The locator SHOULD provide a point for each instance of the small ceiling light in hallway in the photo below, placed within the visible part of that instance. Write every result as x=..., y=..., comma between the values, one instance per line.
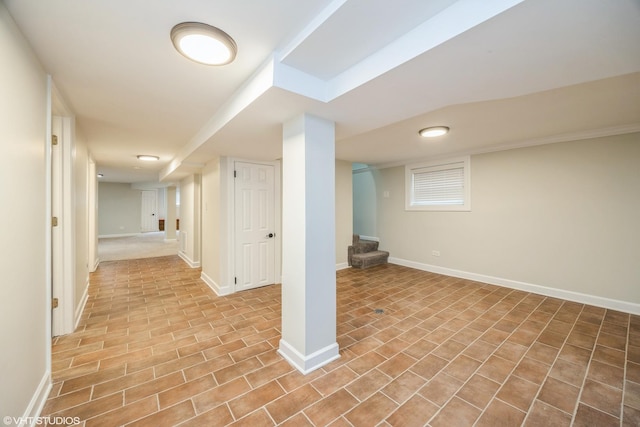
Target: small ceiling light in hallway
x=148, y=158
x=433, y=131
x=203, y=43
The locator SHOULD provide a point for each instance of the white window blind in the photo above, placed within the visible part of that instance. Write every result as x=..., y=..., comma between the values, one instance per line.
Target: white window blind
x=441, y=185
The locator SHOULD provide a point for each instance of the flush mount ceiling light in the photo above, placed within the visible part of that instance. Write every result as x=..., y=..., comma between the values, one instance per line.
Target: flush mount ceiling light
x=148, y=158
x=203, y=43
x=433, y=131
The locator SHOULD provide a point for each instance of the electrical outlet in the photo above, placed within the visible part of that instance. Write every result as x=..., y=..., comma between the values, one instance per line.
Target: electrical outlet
x=435, y=253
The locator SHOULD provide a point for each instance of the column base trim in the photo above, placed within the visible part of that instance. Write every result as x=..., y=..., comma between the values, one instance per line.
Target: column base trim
x=309, y=363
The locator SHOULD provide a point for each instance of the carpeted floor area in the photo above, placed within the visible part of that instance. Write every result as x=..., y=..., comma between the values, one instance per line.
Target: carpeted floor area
x=143, y=245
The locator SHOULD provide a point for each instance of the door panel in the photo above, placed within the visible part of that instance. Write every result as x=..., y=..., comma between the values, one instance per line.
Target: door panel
x=255, y=225
x=148, y=219
x=57, y=246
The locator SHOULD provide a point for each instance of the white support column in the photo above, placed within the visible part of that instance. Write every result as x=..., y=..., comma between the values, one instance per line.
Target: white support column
x=308, y=244
x=170, y=222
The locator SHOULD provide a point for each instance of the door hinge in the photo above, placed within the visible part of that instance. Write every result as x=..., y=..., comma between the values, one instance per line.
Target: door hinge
x=235, y=174
x=54, y=139
x=235, y=280
x=54, y=221
x=54, y=303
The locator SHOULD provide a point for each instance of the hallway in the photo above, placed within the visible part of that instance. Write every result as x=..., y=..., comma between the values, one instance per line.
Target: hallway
x=156, y=347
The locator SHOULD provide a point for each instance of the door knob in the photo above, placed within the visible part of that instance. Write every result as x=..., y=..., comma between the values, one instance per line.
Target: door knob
x=270, y=235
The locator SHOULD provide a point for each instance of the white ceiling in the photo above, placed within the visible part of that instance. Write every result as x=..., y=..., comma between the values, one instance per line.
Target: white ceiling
x=500, y=73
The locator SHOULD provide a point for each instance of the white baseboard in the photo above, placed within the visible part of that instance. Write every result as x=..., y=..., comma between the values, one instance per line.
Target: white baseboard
x=80, y=307
x=370, y=238
x=108, y=236
x=219, y=290
x=189, y=261
x=38, y=400
x=308, y=363
x=341, y=266
x=627, y=307
x=95, y=266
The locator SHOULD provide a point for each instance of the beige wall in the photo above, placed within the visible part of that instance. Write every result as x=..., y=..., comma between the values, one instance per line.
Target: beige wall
x=119, y=208
x=93, y=216
x=211, y=238
x=82, y=212
x=190, y=219
x=344, y=211
x=23, y=263
x=562, y=216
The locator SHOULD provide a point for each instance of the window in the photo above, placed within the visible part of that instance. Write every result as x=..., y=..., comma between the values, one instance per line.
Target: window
x=438, y=186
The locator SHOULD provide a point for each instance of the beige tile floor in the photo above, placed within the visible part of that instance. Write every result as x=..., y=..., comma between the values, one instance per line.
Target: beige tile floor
x=156, y=347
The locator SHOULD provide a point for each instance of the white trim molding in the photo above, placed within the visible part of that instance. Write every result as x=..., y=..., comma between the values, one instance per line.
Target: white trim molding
x=80, y=307
x=189, y=261
x=217, y=289
x=340, y=266
x=108, y=236
x=315, y=360
x=38, y=400
x=96, y=265
x=627, y=307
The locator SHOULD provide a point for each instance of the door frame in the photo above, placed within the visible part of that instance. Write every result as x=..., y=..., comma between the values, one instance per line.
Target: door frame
x=231, y=215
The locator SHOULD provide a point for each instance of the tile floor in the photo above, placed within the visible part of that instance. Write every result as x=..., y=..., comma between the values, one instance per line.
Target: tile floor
x=157, y=348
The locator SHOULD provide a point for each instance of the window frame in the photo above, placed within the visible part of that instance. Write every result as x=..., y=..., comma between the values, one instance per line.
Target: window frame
x=432, y=166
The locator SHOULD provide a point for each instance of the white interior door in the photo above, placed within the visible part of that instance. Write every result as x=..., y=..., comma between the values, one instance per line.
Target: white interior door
x=63, y=256
x=57, y=248
x=148, y=218
x=254, y=194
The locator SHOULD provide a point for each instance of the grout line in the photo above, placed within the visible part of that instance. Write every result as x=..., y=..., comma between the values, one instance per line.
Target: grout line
x=624, y=370
x=586, y=373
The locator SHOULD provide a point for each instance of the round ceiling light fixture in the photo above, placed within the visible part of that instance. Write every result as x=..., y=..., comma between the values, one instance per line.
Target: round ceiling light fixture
x=203, y=43
x=148, y=158
x=433, y=131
